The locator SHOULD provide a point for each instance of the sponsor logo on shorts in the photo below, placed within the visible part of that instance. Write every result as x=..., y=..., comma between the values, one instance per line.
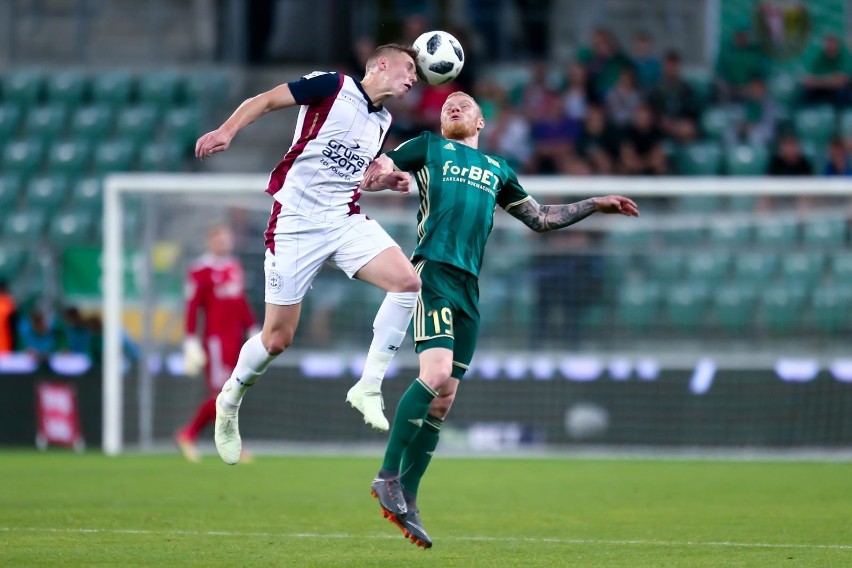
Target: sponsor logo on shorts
x=274, y=281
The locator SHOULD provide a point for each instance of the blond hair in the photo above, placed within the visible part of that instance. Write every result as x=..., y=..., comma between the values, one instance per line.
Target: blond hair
x=463, y=94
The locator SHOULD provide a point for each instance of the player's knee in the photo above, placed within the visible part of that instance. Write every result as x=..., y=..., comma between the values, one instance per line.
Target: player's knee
x=436, y=377
x=407, y=282
x=276, y=342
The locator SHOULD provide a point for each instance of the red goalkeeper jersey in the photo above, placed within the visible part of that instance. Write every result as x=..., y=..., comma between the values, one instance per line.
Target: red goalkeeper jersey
x=215, y=293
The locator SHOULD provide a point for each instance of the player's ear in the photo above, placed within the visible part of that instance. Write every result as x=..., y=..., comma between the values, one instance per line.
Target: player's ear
x=480, y=123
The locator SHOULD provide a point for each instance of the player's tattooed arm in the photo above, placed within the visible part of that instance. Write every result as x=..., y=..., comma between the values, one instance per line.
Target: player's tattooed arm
x=544, y=218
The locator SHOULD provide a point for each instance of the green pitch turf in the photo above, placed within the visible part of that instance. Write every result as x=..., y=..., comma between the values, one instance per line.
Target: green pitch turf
x=61, y=509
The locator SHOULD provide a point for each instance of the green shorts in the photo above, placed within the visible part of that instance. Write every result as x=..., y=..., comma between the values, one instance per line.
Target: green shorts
x=447, y=312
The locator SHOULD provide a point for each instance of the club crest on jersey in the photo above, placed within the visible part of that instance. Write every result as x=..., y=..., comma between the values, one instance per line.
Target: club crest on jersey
x=274, y=282
x=343, y=159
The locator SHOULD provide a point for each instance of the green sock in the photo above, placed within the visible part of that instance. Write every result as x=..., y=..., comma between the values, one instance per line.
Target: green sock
x=418, y=454
x=412, y=409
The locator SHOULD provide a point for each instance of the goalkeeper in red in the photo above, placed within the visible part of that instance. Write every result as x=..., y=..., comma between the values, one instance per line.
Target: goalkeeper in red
x=218, y=319
x=460, y=188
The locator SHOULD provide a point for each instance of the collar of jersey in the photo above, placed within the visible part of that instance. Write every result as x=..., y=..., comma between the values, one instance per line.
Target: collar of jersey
x=370, y=106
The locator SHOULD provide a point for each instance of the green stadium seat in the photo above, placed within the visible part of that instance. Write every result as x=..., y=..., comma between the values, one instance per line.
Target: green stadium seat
x=87, y=194
x=706, y=204
x=665, y=267
x=638, y=304
x=11, y=189
x=840, y=266
x=846, y=123
x=730, y=234
x=628, y=236
x=779, y=234
x=113, y=156
x=716, y=121
x=683, y=236
x=784, y=88
x=781, y=306
x=47, y=192
x=23, y=87
x=113, y=88
x=816, y=124
x=24, y=226
x=70, y=157
x=10, y=120
x=46, y=122
x=708, y=267
x=831, y=306
x=67, y=88
x=159, y=88
x=742, y=203
x=22, y=156
x=71, y=228
x=804, y=268
x=161, y=157
x=93, y=122
x=137, y=122
x=746, y=160
x=207, y=88
x=755, y=268
x=700, y=159
x=686, y=304
x=11, y=261
x=825, y=233
x=182, y=125
x=701, y=81
x=617, y=267
x=733, y=305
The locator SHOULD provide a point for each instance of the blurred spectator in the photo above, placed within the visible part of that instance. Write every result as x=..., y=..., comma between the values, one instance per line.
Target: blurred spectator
x=578, y=92
x=646, y=63
x=827, y=74
x=531, y=95
x=508, y=135
x=641, y=151
x=76, y=336
x=839, y=161
x=599, y=142
x=604, y=60
x=623, y=99
x=675, y=102
x=758, y=117
x=96, y=331
x=554, y=136
x=789, y=159
x=8, y=309
x=533, y=16
x=737, y=64
x=38, y=335
x=568, y=280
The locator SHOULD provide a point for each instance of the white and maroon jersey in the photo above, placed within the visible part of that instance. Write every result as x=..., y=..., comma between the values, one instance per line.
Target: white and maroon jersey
x=338, y=133
x=216, y=288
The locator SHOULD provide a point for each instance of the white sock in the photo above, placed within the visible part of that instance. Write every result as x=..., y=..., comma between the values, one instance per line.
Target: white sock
x=253, y=361
x=389, y=327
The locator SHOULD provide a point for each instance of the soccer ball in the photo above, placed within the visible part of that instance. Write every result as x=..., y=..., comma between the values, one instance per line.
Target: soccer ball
x=440, y=57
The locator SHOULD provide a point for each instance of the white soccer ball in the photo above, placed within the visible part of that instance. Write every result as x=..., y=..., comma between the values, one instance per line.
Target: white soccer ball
x=440, y=57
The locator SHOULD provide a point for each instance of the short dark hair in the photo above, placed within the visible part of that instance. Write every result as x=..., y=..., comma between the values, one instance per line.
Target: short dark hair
x=385, y=49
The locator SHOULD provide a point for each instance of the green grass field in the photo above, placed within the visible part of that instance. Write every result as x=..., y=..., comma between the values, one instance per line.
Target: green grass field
x=61, y=509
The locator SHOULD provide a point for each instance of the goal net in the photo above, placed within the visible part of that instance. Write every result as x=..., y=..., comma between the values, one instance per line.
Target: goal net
x=720, y=317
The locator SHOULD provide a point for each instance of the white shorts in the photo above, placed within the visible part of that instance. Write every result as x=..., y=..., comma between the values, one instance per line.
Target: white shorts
x=302, y=246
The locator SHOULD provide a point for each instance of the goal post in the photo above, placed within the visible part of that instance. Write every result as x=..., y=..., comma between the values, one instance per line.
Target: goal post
x=658, y=295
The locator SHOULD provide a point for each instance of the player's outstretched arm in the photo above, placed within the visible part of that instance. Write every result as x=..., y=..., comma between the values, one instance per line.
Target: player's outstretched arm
x=218, y=140
x=544, y=218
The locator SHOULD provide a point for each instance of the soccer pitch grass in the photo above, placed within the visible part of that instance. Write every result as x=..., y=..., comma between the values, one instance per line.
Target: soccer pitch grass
x=60, y=509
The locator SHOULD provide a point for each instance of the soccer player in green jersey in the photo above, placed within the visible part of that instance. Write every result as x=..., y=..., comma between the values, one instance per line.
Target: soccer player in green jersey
x=459, y=188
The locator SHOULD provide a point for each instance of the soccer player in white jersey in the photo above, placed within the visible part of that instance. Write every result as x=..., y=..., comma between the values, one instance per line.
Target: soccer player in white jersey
x=316, y=217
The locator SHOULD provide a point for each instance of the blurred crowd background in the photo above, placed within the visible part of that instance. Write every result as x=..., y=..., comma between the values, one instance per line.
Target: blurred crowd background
x=575, y=88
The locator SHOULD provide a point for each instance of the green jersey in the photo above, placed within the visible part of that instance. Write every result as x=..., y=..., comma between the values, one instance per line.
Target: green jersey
x=460, y=188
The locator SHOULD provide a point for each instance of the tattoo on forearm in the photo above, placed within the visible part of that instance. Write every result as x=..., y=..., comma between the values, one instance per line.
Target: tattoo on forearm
x=544, y=218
